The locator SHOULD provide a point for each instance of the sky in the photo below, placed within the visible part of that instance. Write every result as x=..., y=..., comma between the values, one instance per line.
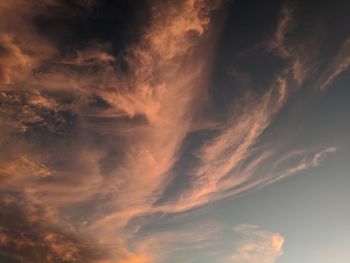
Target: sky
x=174, y=131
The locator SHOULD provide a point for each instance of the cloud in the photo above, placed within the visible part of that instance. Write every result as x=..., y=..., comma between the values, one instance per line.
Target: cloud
x=257, y=179
x=95, y=143
x=220, y=157
x=258, y=245
x=284, y=26
x=30, y=232
x=22, y=48
x=303, y=56
x=340, y=64
x=165, y=243
x=58, y=105
x=12, y=59
x=296, y=51
x=305, y=164
x=166, y=78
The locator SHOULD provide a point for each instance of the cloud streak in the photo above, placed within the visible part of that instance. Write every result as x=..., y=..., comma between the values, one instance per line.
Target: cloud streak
x=340, y=64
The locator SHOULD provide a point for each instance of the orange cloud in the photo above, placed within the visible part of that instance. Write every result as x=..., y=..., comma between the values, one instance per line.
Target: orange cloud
x=222, y=155
x=258, y=245
x=89, y=135
x=12, y=59
x=166, y=76
x=163, y=87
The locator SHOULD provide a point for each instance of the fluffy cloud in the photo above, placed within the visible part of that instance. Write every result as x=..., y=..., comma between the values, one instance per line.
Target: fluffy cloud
x=258, y=245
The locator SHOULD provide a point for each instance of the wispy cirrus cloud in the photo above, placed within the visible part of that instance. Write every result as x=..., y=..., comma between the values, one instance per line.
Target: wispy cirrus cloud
x=160, y=90
x=340, y=64
x=278, y=42
x=96, y=142
x=169, y=242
